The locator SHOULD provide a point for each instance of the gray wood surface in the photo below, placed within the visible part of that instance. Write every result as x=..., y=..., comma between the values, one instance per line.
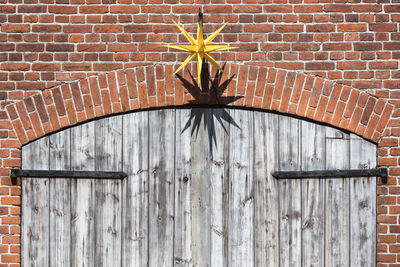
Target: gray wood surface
x=241, y=194
x=312, y=158
x=289, y=157
x=161, y=187
x=183, y=180
x=83, y=196
x=362, y=205
x=266, y=217
x=199, y=193
x=219, y=175
x=60, y=204
x=108, y=205
x=337, y=224
x=35, y=236
x=200, y=186
x=135, y=190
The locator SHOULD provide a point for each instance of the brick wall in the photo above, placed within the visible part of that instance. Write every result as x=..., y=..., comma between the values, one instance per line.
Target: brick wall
x=55, y=42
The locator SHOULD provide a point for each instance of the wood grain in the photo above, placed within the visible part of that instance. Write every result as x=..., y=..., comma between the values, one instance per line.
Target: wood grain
x=205, y=198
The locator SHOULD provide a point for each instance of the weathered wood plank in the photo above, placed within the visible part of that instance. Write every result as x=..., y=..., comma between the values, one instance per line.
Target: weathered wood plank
x=35, y=206
x=266, y=217
x=183, y=177
x=219, y=173
x=108, y=192
x=135, y=189
x=362, y=205
x=82, y=196
x=60, y=204
x=290, y=193
x=200, y=196
x=161, y=186
x=312, y=158
x=241, y=194
x=337, y=200
x=186, y=205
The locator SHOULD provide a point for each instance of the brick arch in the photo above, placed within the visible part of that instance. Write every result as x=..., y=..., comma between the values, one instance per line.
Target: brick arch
x=146, y=87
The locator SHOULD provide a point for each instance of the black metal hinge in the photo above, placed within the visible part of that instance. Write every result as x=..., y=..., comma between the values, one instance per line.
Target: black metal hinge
x=382, y=172
x=67, y=174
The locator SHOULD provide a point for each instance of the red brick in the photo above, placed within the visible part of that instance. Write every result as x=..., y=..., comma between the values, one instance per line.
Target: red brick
x=371, y=126
x=130, y=75
x=87, y=100
x=352, y=27
x=303, y=103
x=41, y=108
x=71, y=112
x=249, y=93
x=308, y=8
x=338, y=8
x=383, y=27
x=351, y=103
x=23, y=114
x=269, y=90
x=320, y=28
x=15, y=28
x=280, y=81
x=77, y=29
x=261, y=81
x=320, y=65
x=367, y=46
x=383, y=65
x=15, y=66
x=316, y=92
x=392, y=8
x=242, y=81
x=112, y=86
x=93, y=9
x=228, y=9
x=305, y=47
x=142, y=96
x=59, y=47
x=384, y=118
x=258, y=28
x=352, y=65
x=46, y=28
x=150, y=81
x=124, y=9
x=289, y=28
x=368, y=110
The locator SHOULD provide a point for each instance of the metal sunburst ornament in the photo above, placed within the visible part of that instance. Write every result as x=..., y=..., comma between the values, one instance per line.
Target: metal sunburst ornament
x=200, y=48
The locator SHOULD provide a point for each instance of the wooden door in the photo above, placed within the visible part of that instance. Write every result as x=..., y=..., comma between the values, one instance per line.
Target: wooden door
x=199, y=194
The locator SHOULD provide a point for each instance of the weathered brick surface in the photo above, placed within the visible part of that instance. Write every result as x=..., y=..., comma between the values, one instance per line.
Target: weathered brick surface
x=65, y=62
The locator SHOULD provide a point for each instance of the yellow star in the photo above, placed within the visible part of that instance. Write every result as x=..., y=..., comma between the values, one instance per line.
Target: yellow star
x=200, y=48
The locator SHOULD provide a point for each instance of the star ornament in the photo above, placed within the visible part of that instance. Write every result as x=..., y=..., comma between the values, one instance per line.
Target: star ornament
x=199, y=48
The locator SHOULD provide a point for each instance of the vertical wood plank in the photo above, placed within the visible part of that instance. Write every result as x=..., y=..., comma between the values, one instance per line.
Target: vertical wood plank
x=183, y=177
x=362, y=204
x=337, y=200
x=290, y=193
x=200, y=189
x=219, y=173
x=135, y=189
x=266, y=217
x=312, y=158
x=241, y=195
x=108, y=192
x=35, y=206
x=60, y=204
x=161, y=186
x=82, y=196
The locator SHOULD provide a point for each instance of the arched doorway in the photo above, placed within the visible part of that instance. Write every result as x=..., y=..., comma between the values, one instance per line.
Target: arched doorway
x=199, y=194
